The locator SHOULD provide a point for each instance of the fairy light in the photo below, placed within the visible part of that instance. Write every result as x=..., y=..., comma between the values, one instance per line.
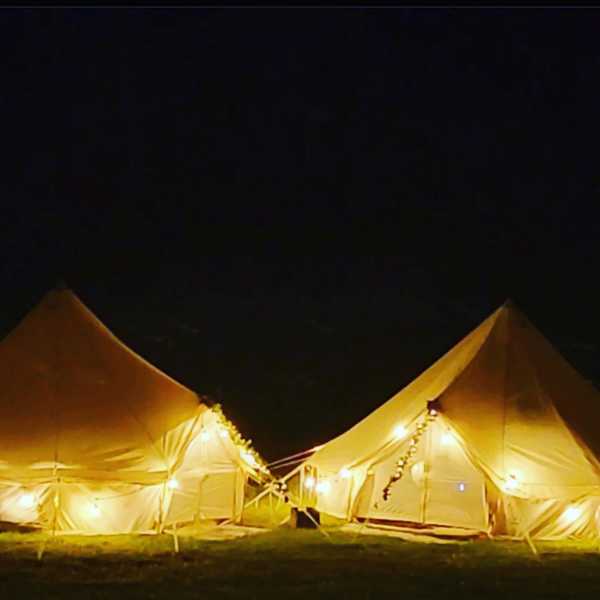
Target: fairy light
x=572, y=513
x=227, y=430
x=461, y=487
x=27, y=501
x=323, y=487
x=447, y=438
x=94, y=510
x=248, y=457
x=511, y=484
x=172, y=483
x=309, y=482
x=345, y=473
x=400, y=432
x=403, y=462
x=205, y=435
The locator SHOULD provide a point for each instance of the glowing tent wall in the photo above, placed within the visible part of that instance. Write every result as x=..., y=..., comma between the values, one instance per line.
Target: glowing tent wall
x=525, y=438
x=94, y=439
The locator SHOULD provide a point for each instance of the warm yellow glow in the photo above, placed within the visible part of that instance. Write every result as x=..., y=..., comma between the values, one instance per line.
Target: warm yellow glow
x=94, y=510
x=447, y=438
x=172, y=484
x=417, y=472
x=223, y=433
x=309, y=482
x=400, y=432
x=323, y=487
x=205, y=435
x=572, y=514
x=433, y=412
x=249, y=458
x=27, y=501
x=345, y=473
x=511, y=484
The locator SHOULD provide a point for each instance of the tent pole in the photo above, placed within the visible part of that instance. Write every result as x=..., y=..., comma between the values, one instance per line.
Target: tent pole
x=175, y=538
x=426, y=463
x=531, y=545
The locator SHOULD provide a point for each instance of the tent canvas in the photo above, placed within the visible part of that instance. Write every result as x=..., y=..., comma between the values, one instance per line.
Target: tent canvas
x=513, y=448
x=94, y=439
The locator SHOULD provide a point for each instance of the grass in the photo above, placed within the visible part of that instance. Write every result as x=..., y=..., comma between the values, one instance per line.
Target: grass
x=288, y=564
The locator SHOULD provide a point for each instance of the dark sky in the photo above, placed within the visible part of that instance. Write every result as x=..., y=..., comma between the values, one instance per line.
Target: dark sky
x=298, y=210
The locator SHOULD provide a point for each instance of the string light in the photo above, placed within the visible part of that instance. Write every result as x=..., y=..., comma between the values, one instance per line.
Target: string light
x=309, y=482
x=172, y=483
x=400, y=432
x=94, y=510
x=403, y=461
x=345, y=473
x=27, y=501
x=572, y=513
x=510, y=484
x=323, y=487
x=447, y=438
x=249, y=458
x=461, y=487
x=228, y=430
x=205, y=435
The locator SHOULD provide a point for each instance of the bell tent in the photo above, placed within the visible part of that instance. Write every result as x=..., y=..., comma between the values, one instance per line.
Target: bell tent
x=500, y=436
x=94, y=439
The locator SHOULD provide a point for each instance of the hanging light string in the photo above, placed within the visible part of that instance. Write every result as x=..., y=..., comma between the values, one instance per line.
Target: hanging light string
x=433, y=410
x=249, y=454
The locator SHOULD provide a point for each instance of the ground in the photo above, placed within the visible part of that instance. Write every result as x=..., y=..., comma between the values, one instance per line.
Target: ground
x=287, y=564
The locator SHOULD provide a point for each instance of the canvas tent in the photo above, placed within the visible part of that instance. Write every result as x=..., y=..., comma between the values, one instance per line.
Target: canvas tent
x=93, y=439
x=509, y=444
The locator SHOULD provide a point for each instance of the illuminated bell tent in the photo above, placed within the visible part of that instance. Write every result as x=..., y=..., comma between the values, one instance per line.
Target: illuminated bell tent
x=93, y=439
x=499, y=436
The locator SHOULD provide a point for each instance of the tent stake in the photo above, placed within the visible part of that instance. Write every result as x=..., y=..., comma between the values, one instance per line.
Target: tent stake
x=317, y=524
x=40, y=551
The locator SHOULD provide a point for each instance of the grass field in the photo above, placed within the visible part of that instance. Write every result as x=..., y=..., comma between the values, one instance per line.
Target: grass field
x=288, y=564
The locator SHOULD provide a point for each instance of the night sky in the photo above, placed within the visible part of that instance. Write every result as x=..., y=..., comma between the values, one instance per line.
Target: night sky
x=296, y=211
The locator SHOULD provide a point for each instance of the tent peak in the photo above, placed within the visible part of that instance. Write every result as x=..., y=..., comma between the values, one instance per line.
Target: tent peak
x=509, y=306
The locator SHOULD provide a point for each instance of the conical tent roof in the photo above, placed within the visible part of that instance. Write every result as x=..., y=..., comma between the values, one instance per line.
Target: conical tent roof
x=516, y=404
x=76, y=399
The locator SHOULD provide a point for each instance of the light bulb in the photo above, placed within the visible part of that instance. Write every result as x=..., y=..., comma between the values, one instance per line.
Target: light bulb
x=205, y=435
x=323, y=487
x=27, y=501
x=223, y=433
x=572, y=514
x=510, y=484
x=172, y=483
x=461, y=487
x=249, y=458
x=309, y=482
x=400, y=432
x=94, y=510
x=447, y=438
x=345, y=473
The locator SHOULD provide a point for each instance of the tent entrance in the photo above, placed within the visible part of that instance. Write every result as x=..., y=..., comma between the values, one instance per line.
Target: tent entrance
x=441, y=486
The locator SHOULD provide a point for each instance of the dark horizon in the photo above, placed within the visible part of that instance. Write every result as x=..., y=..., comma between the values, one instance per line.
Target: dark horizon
x=297, y=211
